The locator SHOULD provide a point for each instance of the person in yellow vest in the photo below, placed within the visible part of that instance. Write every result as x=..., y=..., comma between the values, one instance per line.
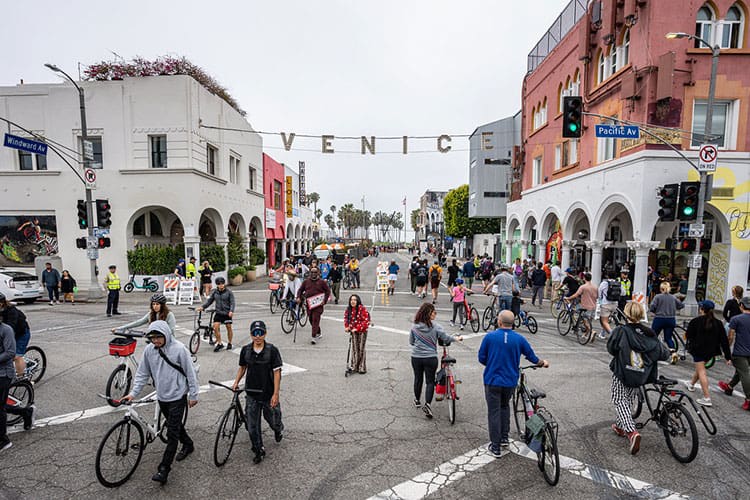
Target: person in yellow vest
x=113, y=288
x=190, y=271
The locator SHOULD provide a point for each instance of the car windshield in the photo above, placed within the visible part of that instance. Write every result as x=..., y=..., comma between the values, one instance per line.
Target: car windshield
x=18, y=275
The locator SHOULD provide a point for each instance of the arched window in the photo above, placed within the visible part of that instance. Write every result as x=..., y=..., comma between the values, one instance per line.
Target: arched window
x=155, y=225
x=613, y=67
x=731, y=36
x=561, y=92
x=704, y=23
x=543, y=114
x=575, y=85
x=625, y=49
x=602, y=73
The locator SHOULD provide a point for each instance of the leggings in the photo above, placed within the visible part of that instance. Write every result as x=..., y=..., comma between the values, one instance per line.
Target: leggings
x=424, y=370
x=458, y=307
x=666, y=324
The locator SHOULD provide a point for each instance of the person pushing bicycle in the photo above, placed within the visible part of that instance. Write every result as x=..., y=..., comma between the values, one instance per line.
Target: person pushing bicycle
x=224, y=299
x=260, y=364
x=167, y=361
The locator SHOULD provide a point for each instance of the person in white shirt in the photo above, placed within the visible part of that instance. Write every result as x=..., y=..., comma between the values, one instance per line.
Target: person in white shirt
x=557, y=277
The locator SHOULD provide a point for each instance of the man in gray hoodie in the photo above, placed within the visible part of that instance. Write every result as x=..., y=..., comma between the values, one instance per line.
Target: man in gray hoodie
x=167, y=361
x=224, y=299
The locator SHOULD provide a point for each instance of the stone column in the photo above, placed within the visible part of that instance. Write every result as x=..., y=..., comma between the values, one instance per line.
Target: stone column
x=508, y=250
x=541, y=251
x=524, y=249
x=596, y=259
x=567, y=249
x=223, y=240
x=642, y=250
x=192, y=247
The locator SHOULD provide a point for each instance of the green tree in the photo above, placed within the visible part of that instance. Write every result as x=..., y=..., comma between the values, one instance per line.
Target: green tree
x=456, y=216
x=330, y=222
x=415, y=219
x=318, y=214
x=313, y=198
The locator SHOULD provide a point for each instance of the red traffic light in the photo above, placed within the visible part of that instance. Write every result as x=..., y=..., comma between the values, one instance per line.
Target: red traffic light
x=103, y=242
x=687, y=245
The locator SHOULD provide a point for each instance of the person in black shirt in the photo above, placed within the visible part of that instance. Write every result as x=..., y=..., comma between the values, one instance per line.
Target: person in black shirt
x=261, y=362
x=334, y=276
x=570, y=282
x=453, y=273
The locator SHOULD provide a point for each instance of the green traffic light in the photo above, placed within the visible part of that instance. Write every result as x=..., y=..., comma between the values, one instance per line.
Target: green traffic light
x=688, y=211
x=573, y=127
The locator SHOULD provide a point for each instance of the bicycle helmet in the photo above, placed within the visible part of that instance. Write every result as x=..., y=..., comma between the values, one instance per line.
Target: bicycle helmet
x=459, y=281
x=220, y=280
x=159, y=298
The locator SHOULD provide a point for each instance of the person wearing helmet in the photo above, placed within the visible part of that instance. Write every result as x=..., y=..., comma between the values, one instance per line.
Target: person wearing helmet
x=260, y=364
x=167, y=362
x=458, y=298
x=159, y=310
x=16, y=319
x=224, y=299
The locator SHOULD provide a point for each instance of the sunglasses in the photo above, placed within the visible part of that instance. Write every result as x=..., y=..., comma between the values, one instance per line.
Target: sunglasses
x=257, y=333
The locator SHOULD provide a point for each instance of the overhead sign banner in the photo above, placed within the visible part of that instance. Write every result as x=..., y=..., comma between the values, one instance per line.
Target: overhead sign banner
x=289, y=199
x=24, y=144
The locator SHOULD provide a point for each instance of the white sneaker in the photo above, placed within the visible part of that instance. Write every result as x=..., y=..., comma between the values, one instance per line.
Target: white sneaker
x=690, y=387
x=704, y=401
x=462, y=327
x=452, y=323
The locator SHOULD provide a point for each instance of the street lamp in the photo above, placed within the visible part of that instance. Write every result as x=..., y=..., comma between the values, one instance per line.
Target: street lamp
x=94, y=290
x=690, y=300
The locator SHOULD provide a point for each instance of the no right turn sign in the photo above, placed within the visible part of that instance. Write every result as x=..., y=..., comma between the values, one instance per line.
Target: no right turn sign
x=708, y=158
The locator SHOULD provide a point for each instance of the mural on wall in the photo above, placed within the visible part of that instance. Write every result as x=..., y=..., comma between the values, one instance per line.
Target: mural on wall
x=24, y=237
x=554, y=246
x=717, y=273
x=733, y=200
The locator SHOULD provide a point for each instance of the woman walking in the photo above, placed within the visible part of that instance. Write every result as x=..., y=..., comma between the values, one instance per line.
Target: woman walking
x=423, y=338
x=664, y=308
x=159, y=310
x=206, y=272
x=732, y=306
x=705, y=339
x=392, y=276
x=68, y=287
x=356, y=323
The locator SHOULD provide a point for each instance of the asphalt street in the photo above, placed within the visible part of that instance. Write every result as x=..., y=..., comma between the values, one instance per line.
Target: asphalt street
x=359, y=437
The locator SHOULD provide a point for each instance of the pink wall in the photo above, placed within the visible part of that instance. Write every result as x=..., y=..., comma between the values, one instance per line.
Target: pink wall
x=273, y=171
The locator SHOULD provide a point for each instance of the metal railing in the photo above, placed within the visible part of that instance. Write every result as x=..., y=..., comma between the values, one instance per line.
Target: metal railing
x=568, y=18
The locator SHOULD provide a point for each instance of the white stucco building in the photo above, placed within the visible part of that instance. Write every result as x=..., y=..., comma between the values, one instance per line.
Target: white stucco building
x=169, y=178
x=299, y=227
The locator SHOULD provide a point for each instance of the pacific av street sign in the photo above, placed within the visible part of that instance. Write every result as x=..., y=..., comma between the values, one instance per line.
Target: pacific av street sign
x=24, y=144
x=618, y=131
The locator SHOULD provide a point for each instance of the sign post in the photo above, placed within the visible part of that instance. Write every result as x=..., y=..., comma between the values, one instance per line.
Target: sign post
x=708, y=158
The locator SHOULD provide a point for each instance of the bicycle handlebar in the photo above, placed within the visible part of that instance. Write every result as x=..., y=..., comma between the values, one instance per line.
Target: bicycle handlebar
x=129, y=333
x=532, y=367
x=119, y=402
x=212, y=382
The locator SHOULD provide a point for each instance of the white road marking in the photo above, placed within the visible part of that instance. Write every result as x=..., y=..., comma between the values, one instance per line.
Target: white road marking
x=75, y=416
x=427, y=483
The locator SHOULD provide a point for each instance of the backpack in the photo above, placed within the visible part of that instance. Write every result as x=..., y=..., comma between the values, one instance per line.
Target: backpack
x=614, y=290
x=434, y=273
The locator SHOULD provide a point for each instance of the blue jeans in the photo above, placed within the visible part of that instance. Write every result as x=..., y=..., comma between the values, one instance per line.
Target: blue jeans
x=504, y=302
x=666, y=324
x=53, y=291
x=498, y=412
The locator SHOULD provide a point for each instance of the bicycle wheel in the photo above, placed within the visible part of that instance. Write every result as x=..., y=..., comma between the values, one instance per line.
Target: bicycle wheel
x=273, y=302
x=555, y=307
x=487, y=318
x=162, y=433
x=516, y=322
x=549, y=459
x=21, y=392
x=452, y=409
x=680, y=432
x=119, y=453
x=302, y=316
x=519, y=413
x=36, y=356
x=531, y=324
x=474, y=321
x=636, y=404
x=287, y=320
x=225, y=436
x=119, y=382
x=195, y=342
x=564, y=321
x=128, y=287
x=583, y=330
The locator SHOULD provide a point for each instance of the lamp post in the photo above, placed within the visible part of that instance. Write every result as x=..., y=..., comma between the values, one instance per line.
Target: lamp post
x=94, y=291
x=690, y=300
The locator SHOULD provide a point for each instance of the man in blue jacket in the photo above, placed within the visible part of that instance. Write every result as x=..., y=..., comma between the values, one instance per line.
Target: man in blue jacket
x=168, y=362
x=500, y=353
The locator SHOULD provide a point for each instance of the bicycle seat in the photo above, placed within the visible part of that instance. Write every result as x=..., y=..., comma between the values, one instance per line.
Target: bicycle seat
x=537, y=394
x=663, y=381
x=449, y=360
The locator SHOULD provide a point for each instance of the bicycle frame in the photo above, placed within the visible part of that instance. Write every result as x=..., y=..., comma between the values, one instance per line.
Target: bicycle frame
x=666, y=394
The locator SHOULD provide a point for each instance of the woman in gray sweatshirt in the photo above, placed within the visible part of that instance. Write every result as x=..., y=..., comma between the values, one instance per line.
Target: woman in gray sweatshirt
x=423, y=338
x=664, y=307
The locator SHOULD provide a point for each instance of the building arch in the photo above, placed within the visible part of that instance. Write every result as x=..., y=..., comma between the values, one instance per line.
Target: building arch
x=530, y=224
x=141, y=228
x=576, y=221
x=255, y=234
x=610, y=208
x=237, y=224
x=209, y=226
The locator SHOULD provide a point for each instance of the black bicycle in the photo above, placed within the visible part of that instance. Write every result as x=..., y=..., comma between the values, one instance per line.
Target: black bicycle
x=294, y=313
x=539, y=429
x=489, y=318
x=672, y=417
x=275, y=299
x=200, y=330
x=577, y=320
x=229, y=425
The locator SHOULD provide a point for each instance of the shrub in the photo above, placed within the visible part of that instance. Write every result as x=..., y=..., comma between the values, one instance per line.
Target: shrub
x=153, y=259
x=214, y=254
x=236, y=249
x=236, y=271
x=257, y=256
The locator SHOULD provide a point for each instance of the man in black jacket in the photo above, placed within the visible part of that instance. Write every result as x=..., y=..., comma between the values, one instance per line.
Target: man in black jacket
x=334, y=275
x=538, y=282
x=636, y=350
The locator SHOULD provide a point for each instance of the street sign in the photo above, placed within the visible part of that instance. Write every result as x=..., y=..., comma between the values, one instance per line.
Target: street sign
x=695, y=261
x=88, y=150
x=24, y=144
x=617, y=131
x=100, y=232
x=92, y=253
x=90, y=177
x=696, y=230
x=708, y=158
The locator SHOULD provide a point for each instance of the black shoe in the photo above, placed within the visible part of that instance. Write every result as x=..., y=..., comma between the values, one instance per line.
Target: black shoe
x=258, y=458
x=117, y=313
x=184, y=452
x=427, y=410
x=278, y=436
x=5, y=444
x=218, y=347
x=161, y=475
x=28, y=418
x=229, y=346
x=109, y=315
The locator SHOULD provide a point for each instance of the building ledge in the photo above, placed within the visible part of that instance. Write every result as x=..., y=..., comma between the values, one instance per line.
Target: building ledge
x=540, y=128
x=707, y=51
x=254, y=193
x=29, y=172
x=140, y=171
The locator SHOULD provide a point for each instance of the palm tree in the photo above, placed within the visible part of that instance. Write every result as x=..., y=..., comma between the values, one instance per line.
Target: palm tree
x=313, y=198
x=318, y=214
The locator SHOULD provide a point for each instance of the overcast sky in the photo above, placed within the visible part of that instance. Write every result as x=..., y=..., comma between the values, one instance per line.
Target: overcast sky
x=349, y=68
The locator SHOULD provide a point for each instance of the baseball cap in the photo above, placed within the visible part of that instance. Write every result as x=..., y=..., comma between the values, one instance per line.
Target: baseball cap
x=706, y=304
x=158, y=328
x=745, y=301
x=256, y=326
x=569, y=270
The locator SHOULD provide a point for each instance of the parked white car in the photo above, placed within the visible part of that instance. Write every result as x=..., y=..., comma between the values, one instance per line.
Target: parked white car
x=19, y=286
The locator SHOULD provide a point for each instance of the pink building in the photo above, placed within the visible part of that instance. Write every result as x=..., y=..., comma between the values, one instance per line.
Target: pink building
x=273, y=192
x=598, y=197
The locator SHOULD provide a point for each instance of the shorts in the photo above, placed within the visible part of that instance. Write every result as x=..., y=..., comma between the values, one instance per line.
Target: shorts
x=22, y=343
x=222, y=318
x=607, y=309
x=392, y=277
x=434, y=283
x=421, y=281
x=486, y=276
x=699, y=359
